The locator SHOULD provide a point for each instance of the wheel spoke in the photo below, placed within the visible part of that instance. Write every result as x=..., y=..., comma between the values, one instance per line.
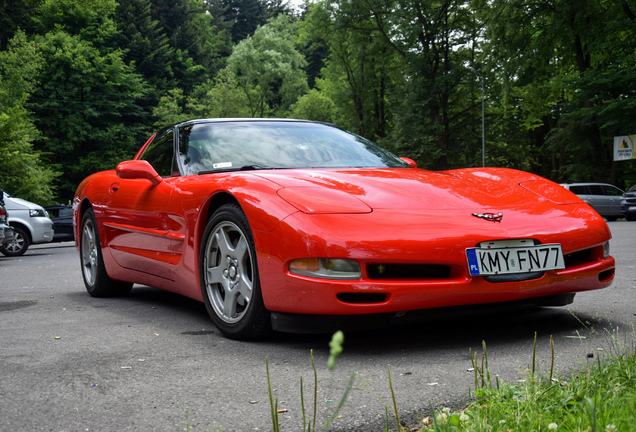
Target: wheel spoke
x=215, y=275
x=223, y=242
x=244, y=287
x=241, y=252
x=87, y=260
x=230, y=303
x=88, y=236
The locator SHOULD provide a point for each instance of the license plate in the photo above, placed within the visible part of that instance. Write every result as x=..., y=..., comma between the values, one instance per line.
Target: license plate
x=632, y=208
x=513, y=256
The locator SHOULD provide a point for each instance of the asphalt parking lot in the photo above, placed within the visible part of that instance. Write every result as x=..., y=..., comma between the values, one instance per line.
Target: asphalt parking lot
x=154, y=361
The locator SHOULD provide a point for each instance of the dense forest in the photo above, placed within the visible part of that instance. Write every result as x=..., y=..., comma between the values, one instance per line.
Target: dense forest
x=84, y=83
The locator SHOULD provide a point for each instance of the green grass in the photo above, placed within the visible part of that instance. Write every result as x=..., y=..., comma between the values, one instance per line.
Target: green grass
x=601, y=396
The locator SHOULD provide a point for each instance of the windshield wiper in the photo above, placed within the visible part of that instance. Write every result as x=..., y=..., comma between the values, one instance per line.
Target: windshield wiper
x=255, y=167
x=252, y=167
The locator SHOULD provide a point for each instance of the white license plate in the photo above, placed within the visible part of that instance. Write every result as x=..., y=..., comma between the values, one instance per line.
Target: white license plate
x=513, y=256
x=631, y=208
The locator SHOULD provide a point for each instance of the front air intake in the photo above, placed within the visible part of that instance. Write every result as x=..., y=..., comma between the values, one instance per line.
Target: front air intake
x=408, y=271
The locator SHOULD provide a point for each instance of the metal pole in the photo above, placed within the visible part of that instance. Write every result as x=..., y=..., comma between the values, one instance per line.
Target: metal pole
x=483, y=124
x=483, y=114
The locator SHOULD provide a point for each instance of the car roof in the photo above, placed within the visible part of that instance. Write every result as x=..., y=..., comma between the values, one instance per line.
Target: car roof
x=588, y=184
x=247, y=119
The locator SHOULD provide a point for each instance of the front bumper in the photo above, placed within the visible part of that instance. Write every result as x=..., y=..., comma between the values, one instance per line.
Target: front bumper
x=311, y=296
x=43, y=231
x=441, y=244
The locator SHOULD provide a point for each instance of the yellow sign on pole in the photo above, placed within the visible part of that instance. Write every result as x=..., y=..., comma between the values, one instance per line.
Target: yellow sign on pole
x=624, y=147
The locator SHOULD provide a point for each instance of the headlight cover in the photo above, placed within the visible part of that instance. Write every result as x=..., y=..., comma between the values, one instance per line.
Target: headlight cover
x=326, y=268
x=320, y=200
x=550, y=191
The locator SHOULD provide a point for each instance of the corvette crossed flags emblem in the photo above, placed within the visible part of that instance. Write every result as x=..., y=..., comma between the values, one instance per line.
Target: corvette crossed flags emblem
x=490, y=216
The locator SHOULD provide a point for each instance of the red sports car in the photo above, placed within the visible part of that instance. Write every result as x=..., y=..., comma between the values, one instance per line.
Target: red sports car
x=297, y=225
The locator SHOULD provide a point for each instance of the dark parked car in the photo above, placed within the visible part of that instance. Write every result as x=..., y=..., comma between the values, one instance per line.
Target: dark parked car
x=62, y=217
x=628, y=205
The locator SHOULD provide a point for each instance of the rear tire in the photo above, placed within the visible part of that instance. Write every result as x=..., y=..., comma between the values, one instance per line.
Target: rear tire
x=96, y=279
x=18, y=246
x=229, y=276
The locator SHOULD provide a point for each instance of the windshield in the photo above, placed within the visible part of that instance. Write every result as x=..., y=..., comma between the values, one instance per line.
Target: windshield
x=227, y=146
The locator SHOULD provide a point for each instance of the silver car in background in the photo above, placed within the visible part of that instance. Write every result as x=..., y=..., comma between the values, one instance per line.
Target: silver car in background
x=31, y=225
x=604, y=198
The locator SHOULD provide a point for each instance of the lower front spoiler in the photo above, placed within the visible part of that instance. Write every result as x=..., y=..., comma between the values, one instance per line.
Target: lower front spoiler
x=312, y=324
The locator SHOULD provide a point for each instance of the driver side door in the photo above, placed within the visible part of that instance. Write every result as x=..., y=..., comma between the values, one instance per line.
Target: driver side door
x=143, y=233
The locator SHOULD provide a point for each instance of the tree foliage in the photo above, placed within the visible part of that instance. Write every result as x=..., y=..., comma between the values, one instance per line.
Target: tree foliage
x=269, y=68
x=221, y=97
x=23, y=171
x=567, y=72
x=85, y=83
x=86, y=102
x=144, y=43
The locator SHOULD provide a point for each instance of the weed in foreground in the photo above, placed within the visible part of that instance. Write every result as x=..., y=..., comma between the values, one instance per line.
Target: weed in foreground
x=335, y=349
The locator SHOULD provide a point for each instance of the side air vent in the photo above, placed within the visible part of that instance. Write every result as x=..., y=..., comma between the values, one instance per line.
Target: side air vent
x=361, y=298
x=576, y=258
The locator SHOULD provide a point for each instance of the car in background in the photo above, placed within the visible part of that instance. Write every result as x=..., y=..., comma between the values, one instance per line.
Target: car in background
x=62, y=217
x=31, y=225
x=6, y=230
x=604, y=198
x=628, y=204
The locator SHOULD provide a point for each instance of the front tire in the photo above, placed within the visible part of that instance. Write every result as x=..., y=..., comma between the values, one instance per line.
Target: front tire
x=96, y=279
x=18, y=246
x=229, y=275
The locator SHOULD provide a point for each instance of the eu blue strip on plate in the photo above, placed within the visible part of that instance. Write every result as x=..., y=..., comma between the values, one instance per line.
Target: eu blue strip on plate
x=473, y=266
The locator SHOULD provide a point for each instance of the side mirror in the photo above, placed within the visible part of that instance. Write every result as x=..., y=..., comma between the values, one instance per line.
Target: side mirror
x=138, y=169
x=409, y=161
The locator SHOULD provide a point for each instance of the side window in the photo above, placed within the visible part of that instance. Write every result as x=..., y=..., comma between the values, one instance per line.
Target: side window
x=612, y=191
x=192, y=148
x=579, y=190
x=160, y=153
x=596, y=190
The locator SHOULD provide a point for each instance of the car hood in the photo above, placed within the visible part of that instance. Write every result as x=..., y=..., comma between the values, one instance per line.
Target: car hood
x=364, y=190
x=14, y=203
